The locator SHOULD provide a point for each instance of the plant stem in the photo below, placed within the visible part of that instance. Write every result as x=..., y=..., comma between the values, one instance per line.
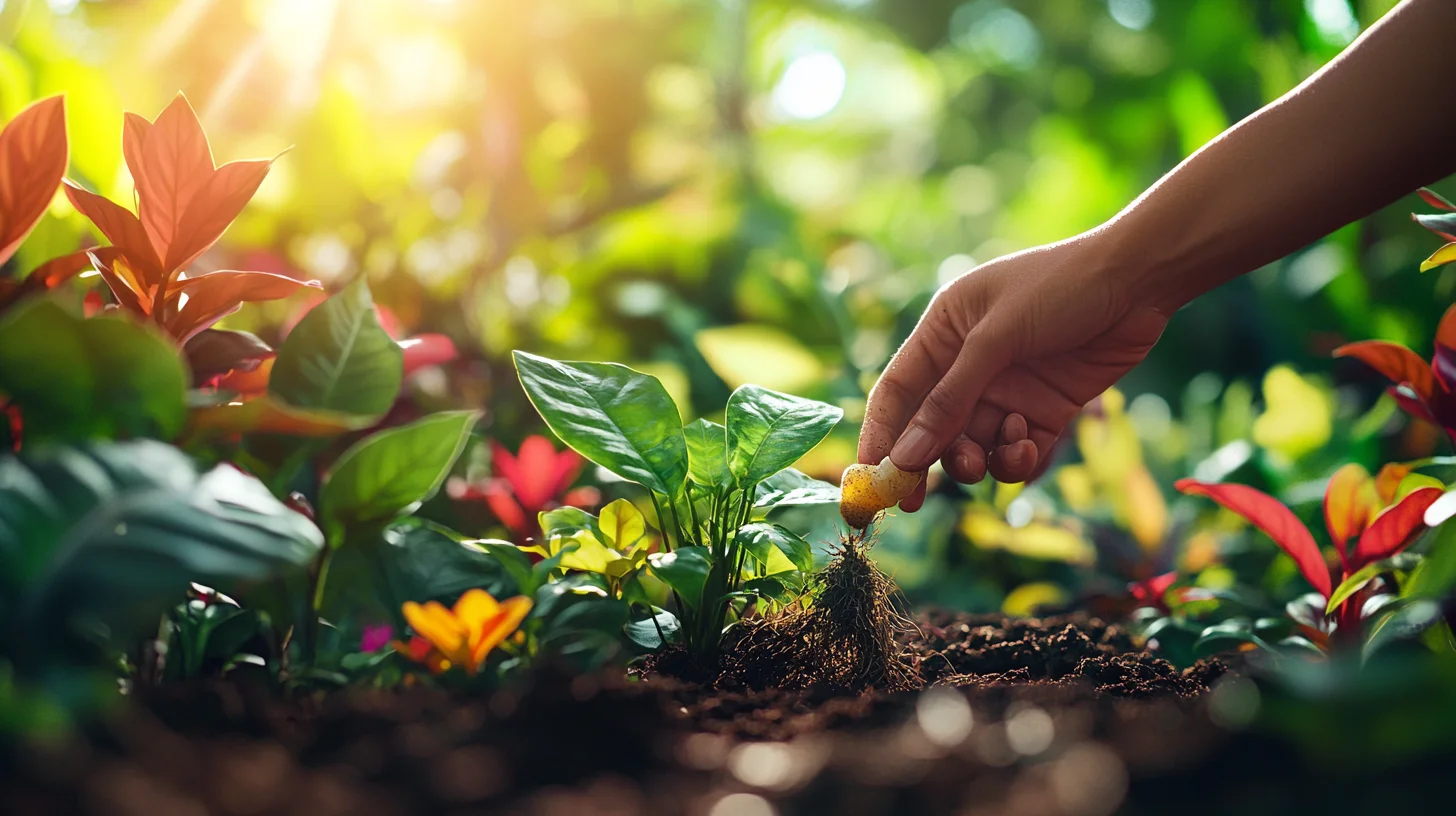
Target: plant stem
x=316, y=603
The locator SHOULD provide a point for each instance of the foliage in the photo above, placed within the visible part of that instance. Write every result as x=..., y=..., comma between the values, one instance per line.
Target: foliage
x=704, y=495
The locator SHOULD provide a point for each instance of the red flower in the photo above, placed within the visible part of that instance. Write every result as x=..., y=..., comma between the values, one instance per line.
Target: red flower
x=536, y=478
x=1425, y=390
x=1151, y=591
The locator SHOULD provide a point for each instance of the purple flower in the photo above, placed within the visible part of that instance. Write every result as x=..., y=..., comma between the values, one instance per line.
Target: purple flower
x=376, y=637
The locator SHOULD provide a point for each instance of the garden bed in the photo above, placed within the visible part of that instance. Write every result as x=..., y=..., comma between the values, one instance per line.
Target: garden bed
x=1061, y=708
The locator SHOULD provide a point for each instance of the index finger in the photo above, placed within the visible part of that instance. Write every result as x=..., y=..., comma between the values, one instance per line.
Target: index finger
x=896, y=396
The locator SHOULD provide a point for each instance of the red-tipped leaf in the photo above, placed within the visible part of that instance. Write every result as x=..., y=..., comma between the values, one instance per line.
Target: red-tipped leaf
x=425, y=350
x=1277, y=521
x=1435, y=199
x=176, y=164
x=1395, y=529
x=1396, y=362
x=33, y=156
x=214, y=207
x=1351, y=501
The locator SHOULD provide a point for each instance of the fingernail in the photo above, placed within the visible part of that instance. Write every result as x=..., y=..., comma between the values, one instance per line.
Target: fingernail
x=913, y=449
x=968, y=468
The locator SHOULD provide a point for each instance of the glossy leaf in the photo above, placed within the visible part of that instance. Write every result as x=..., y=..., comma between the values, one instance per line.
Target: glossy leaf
x=568, y=520
x=418, y=561
x=685, y=570
x=622, y=524
x=33, y=157
x=758, y=537
x=768, y=431
x=1400, y=620
x=79, y=379
x=1354, y=583
x=791, y=488
x=514, y=561
x=384, y=474
x=1396, y=528
x=1396, y=362
x=217, y=351
x=649, y=633
x=708, y=454
x=212, y=296
x=266, y=415
x=1435, y=199
x=1266, y=513
x=1440, y=257
x=621, y=419
x=1443, y=224
x=119, y=226
x=339, y=358
x=114, y=532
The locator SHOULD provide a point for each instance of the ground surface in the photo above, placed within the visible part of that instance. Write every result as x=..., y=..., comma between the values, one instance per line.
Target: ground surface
x=1061, y=716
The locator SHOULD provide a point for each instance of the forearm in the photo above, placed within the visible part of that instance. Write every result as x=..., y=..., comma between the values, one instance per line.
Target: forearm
x=1371, y=126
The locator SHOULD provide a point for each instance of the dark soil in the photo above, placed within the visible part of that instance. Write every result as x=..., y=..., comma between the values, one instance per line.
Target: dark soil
x=1059, y=716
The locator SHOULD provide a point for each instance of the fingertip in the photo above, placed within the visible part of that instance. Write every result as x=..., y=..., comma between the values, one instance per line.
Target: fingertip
x=916, y=499
x=1015, y=462
x=1013, y=429
x=965, y=462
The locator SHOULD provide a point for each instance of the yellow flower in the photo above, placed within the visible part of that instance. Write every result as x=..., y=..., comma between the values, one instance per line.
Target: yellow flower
x=465, y=635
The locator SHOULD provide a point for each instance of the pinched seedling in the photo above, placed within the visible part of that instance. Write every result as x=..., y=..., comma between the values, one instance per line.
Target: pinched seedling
x=868, y=489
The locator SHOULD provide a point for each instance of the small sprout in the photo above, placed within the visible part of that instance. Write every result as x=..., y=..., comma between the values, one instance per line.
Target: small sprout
x=866, y=490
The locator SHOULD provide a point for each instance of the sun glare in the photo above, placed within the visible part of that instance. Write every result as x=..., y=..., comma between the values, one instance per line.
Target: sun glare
x=811, y=86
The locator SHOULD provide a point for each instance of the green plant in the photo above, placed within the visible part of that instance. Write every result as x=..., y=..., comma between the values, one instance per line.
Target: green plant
x=705, y=480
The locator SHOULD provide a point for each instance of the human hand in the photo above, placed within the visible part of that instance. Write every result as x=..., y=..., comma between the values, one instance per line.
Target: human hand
x=1003, y=358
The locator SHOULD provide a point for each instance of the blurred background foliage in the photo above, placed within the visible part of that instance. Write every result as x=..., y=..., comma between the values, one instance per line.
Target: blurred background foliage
x=723, y=191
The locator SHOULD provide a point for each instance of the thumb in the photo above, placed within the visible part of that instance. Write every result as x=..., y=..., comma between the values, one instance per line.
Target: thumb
x=948, y=407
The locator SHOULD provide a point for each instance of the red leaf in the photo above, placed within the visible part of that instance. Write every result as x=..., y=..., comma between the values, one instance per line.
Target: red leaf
x=1277, y=521
x=1434, y=199
x=427, y=350
x=176, y=163
x=213, y=208
x=119, y=226
x=57, y=271
x=1398, y=363
x=215, y=295
x=1351, y=502
x=33, y=157
x=134, y=132
x=504, y=506
x=1395, y=529
x=1410, y=403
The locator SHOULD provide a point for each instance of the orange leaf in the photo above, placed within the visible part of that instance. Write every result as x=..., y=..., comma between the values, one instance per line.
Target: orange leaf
x=119, y=226
x=134, y=132
x=1350, y=503
x=176, y=164
x=247, y=384
x=57, y=271
x=214, y=207
x=33, y=156
x=133, y=295
x=1395, y=529
x=1388, y=480
x=1398, y=363
x=1277, y=521
x=267, y=415
x=212, y=296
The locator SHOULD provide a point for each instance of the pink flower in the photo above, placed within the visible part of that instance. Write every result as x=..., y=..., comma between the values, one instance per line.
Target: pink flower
x=376, y=637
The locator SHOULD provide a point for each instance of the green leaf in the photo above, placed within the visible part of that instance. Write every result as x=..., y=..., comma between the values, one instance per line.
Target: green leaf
x=113, y=532
x=768, y=431
x=1402, y=619
x=616, y=417
x=78, y=379
x=771, y=587
x=623, y=524
x=684, y=569
x=708, y=454
x=761, y=537
x=384, y=474
x=567, y=521
x=1227, y=635
x=790, y=487
x=420, y=561
x=515, y=562
x=338, y=358
x=1436, y=575
x=649, y=632
x=1354, y=583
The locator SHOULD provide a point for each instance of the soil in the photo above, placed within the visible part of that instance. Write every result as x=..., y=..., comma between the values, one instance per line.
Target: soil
x=1056, y=716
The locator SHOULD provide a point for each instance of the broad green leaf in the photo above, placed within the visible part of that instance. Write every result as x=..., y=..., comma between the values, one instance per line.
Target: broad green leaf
x=760, y=538
x=649, y=633
x=566, y=521
x=790, y=487
x=113, y=533
x=622, y=524
x=1228, y=635
x=684, y=569
x=612, y=415
x=1363, y=576
x=338, y=358
x=1402, y=619
x=515, y=563
x=384, y=474
x=1436, y=575
x=771, y=587
x=708, y=454
x=419, y=561
x=589, y=554
x=77, y=379
x=768, y=431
